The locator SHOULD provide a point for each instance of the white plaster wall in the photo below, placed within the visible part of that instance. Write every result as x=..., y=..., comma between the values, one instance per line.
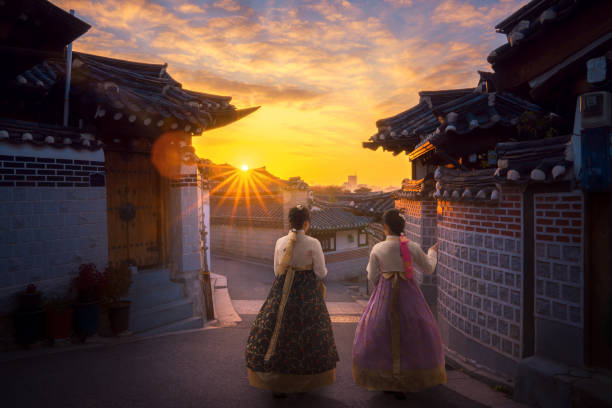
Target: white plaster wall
x=47, y=232
x=342, y=240
x=206, y=221
x=244, y=242
x=190, y=217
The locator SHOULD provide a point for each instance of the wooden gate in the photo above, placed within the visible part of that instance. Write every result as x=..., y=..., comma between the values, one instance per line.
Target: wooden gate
x=134, y=209
x=598, y=313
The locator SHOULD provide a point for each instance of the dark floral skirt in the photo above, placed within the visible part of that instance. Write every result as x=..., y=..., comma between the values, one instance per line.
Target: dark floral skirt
x=305, y=345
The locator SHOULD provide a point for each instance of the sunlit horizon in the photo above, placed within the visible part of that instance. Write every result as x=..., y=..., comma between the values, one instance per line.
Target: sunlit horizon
x=323, y=71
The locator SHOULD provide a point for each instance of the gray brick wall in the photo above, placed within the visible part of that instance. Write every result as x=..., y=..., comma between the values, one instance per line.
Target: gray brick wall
x=421, y=227
x=479, y=287
x=559, y=257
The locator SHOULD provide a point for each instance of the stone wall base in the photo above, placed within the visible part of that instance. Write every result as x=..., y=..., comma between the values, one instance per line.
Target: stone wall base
x=549, y=384
x=475, y=352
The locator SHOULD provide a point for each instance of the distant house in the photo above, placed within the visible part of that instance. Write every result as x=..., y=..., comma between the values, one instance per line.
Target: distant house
x=344, y=225
x=118, y=183
x=512, y=178
x=249, y=212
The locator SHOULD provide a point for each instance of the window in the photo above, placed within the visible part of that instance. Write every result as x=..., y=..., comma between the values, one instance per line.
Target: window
x=328, y=242
x=363, y=238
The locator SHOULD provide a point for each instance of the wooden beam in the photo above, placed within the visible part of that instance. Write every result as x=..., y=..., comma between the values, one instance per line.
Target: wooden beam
x=4, y=49
x=552, y=45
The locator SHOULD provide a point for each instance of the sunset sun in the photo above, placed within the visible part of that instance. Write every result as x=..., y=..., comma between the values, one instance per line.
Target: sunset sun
x=244, y=167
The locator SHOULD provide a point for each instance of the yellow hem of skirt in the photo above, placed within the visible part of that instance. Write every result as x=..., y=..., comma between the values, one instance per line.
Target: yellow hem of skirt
x=289, y=383
x=405, y=381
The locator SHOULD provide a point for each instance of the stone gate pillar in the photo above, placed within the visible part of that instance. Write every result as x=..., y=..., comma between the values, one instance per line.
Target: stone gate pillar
x=185, y=221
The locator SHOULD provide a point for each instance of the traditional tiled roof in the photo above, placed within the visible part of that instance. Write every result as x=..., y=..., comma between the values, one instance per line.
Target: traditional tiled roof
x=416, y=189
x=404, y=131
x=267, y=212
x=532, y=20
x=486, y=82
x=541, y=160
x=335, y=219
x=135, y=92
x=440, y=97
x=534, y=161
x=18, y=132
x=361, y=204
x=375, y=232
x=475, y=185
x=296, y=183
x=472, y=113
x=426, y=128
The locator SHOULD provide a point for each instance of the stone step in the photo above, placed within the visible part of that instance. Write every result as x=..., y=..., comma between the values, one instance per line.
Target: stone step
x=161, y=315
x=150, y=277
x=186, y=324
x=144, y=297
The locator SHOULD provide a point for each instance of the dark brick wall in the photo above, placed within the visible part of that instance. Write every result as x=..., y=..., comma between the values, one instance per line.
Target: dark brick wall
x=28, y=171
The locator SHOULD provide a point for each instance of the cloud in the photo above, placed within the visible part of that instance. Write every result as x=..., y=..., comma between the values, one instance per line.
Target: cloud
x=188, y=8
x=399, y=3
x=465, y=14
x=259, y=94
x=227, y=5
x=324, y=70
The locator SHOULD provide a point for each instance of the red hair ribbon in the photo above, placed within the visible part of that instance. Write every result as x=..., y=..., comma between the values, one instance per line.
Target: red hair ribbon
x=408, y=268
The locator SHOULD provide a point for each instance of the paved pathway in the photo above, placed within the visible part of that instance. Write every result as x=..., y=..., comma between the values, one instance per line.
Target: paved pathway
x=248, y=284
x=252, y=281
x=251, y=307
x=203, y=368
x=199, y=369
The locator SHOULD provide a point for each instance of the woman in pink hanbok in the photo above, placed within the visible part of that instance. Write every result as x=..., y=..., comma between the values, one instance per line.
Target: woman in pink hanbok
x=397, y=346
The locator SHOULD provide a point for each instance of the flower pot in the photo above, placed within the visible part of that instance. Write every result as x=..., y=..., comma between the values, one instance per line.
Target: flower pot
x=104, y=327
x=29, y=326
x=58, y=322
x=29, y=302
x=119, y=315
x=86, y=319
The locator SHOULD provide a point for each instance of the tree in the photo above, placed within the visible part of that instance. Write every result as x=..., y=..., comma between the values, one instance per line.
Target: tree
x=363, y=190
x=328, y=190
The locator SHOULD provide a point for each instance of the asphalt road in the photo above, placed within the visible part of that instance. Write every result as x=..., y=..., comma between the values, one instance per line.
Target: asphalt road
x=251, y=281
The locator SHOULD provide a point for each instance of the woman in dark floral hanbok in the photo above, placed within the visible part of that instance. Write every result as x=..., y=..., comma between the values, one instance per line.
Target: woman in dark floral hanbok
x=291, y=346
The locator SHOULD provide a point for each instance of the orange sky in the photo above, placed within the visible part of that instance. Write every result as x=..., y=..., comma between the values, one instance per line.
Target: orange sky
x=323, y=70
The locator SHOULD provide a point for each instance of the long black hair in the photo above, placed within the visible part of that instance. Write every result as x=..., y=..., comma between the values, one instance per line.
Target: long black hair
x=298, y=215
x=393, y=219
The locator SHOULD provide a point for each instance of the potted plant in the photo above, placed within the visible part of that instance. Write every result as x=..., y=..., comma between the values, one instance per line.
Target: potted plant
x=29, y=318
x=87, y=306
x=58, y=318
x=116, y=283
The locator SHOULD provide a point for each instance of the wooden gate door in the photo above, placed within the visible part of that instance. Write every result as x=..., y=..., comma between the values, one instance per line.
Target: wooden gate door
x=598, y=316
x=134, y=209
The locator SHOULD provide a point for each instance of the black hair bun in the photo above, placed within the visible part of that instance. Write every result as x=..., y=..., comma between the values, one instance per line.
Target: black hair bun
x=298, y=215
x=394, y=220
